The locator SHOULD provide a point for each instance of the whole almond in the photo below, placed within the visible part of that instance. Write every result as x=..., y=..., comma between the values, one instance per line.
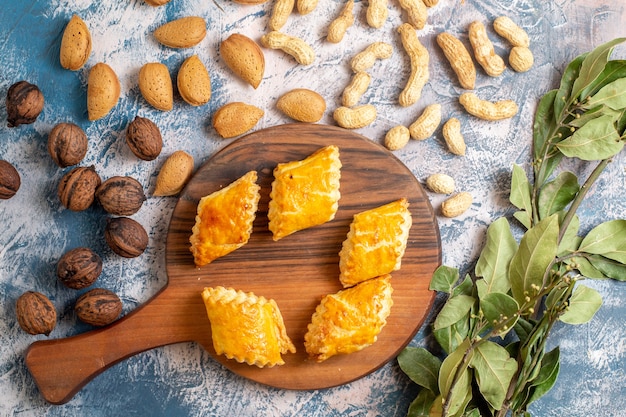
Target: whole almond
x=244, y=57
x=457, y=204
x=75, y=44
x=156, y=87
x=174, y=174
x=103, y=91
x=236, y=118
x=302, y=105
x=181, y=33
x=194, y=82
x=157, y=3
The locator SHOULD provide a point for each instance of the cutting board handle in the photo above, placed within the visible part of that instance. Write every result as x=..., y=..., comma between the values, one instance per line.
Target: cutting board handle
x=61, y=367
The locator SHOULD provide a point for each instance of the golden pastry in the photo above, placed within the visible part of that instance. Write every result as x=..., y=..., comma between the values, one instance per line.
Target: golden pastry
x=246, y=327
x=375, y=243
x=349, y=320
x=304, y=193
x=224, y=220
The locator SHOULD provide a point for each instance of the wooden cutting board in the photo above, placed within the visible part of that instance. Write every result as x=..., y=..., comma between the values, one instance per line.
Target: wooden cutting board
x=296, y=271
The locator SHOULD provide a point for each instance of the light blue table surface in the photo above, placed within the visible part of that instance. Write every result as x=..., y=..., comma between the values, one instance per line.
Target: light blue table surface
x=183, y=380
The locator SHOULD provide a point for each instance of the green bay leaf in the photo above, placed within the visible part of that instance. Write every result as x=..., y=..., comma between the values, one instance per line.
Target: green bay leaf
x=498, y=307
x=570, y=75
x=494, y=369
x=421, y=405
x=449, y=338
x=520, y=189
x=595, y=141
x=612, y=95
x=495, y=257
x=583, y=305
x=557, y=194
x=534, y=256
x=455, y=309
x=608, y=268
x=607, y=239
x=421, y=366
x=594, y=113
x=593, y=65
x=458, y=396
x=613, y=70
x=444, y=279
x=544, y=122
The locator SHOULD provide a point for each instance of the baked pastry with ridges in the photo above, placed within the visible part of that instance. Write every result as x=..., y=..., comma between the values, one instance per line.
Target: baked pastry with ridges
x=305, y=193
x=246, y=327
x=224, y=219
x=375, y=243
x=349, y=320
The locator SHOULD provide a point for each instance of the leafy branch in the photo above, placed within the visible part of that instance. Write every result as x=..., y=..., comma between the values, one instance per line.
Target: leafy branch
x=520, y=290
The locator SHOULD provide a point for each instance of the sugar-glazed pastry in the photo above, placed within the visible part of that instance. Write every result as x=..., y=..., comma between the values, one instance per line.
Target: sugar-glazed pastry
x=305, y=193
x=224, y=219
x=246, y=327
x=375, y=243
x=349, y=320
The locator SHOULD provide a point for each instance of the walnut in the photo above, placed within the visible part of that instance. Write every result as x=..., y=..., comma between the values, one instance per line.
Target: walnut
x=9, y=180
x=79, y=268
x=126, y=237
x=98, y=307
x=35, y=313
x=121, y=196
x=24, y=103
x=67, y=144
x=77, y=188
x=144, y=138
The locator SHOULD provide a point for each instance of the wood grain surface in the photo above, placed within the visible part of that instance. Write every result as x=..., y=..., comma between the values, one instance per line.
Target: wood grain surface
x=296, y=271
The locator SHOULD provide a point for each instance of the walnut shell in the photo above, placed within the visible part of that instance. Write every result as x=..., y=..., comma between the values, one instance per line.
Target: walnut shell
x=144, y=138
x=98, y=307
x=126, y=237
x=67, y=144
x=121, y=196
x=9, y=180
x=24, y=103
x=79, y=268
x=78, y=187
x=35, y=313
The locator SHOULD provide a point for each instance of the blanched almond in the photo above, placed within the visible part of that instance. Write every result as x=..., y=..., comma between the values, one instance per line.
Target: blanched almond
x=103, y=91
x=236, y=118
x=244, y=57
x=194, y=82
x=155, y=85
x=181, y=33
x=75, y=44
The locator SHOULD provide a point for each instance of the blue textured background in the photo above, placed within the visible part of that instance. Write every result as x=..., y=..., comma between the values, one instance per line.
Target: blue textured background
x=182, y=380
